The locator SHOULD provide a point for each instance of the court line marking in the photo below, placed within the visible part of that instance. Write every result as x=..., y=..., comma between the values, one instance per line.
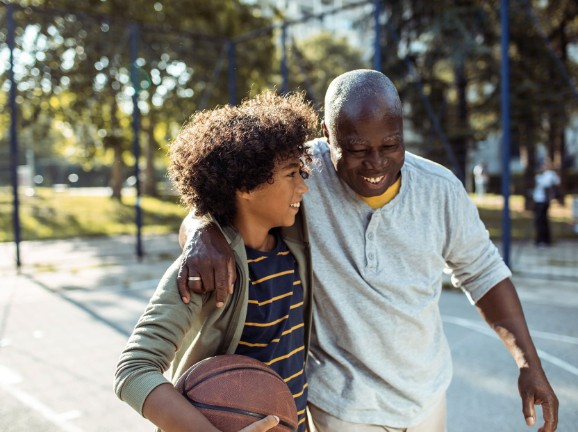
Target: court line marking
x=9, y=378
x=545, y=356
x=557, y=362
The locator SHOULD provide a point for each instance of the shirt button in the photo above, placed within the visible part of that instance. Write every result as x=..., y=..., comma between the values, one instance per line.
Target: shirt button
x=370, y=236
x=370, y=255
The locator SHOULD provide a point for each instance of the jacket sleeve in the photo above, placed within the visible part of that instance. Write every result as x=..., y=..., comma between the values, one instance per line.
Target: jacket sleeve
x=157, y=336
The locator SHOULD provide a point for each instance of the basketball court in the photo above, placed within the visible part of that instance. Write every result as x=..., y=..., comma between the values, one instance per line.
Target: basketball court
x=61, y=331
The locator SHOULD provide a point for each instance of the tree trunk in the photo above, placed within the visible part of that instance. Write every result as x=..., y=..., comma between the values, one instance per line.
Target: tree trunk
x=460, y=140
x=528, y=157
x=557, y=150
x=115, y=141
x=149, y=181
x=116, y=180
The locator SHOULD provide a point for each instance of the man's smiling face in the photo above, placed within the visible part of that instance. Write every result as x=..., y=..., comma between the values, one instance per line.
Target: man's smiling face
x=367, y=147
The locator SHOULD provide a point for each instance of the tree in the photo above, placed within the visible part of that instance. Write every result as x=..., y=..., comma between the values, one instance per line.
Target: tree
x=446, y=54
x=82, y=52
x=315, y=61
x=435, y=51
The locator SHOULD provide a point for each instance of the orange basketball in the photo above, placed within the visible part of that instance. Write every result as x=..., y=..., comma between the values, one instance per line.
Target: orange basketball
x=233, y=391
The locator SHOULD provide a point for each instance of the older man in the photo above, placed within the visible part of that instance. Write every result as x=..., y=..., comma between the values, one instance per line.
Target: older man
x=383, y=223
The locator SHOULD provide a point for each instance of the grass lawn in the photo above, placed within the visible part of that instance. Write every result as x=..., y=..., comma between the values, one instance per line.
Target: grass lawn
x=53, y=214
x=522, y=221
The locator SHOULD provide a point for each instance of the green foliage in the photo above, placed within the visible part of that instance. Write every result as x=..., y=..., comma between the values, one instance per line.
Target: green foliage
x=75, y=78
x=315, y=61
x=448, y=51
x=75, y=68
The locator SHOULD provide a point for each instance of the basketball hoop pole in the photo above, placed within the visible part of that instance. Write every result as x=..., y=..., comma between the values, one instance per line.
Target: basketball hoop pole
x=13, y=136
x=505, y=72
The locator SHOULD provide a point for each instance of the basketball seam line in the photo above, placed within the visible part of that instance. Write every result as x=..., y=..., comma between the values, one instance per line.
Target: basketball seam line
x=236, y=411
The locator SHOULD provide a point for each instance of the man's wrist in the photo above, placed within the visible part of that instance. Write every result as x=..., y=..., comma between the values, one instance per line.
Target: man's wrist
x=191, y=225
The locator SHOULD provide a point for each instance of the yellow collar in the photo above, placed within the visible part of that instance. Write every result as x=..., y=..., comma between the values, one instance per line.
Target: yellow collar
x=376, y=202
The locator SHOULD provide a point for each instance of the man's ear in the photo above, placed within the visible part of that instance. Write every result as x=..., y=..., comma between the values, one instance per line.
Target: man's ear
x=325, y=130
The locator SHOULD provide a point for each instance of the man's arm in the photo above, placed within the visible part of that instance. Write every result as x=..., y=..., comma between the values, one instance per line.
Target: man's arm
x=502, y=310
x=206, y=255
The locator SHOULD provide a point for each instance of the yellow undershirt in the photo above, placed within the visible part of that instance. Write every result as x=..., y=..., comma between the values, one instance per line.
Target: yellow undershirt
x=376, y=202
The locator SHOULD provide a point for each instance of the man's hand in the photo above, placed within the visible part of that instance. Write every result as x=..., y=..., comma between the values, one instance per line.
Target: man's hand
x=208, y=262
x=262, y=425
x=502, y=310
x=536, y=390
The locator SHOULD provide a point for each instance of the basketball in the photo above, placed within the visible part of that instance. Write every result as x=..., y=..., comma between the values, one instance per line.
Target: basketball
x=233, y=391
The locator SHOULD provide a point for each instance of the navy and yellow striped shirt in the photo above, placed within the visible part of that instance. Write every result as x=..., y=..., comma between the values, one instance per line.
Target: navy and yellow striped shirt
x=274, y=328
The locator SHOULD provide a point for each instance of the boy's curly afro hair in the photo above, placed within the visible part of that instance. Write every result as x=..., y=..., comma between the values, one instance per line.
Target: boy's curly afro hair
x=231, y=148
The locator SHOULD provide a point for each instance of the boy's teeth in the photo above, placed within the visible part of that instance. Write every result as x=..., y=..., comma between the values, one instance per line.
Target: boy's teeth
x=295, y=205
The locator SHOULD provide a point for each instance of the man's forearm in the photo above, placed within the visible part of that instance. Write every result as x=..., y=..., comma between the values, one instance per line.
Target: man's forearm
x=502, y=310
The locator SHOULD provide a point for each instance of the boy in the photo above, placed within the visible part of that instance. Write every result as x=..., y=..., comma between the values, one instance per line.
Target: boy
x=243, y=167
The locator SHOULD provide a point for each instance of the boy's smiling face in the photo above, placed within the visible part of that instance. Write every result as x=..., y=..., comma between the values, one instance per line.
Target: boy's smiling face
x=275, y=204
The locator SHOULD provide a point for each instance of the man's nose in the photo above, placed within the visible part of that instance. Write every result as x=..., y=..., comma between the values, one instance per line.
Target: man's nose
x=375, y=159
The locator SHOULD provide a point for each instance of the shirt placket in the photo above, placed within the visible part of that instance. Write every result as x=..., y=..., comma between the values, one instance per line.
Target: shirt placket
x=371, y=241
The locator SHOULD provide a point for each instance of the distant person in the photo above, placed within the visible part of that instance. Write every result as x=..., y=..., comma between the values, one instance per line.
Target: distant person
x=383, y=222
x=546, y=182
x=480, y=179
x=242, y=167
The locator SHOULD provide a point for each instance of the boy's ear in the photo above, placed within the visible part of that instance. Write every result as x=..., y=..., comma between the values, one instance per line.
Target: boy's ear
x=245, y=195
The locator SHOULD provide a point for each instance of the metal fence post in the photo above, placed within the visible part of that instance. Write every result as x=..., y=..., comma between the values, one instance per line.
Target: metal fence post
x=232, y=72
x=377, y=40
x=13, y=136
x=134, y=35
x=505, y=100
x=284, y=69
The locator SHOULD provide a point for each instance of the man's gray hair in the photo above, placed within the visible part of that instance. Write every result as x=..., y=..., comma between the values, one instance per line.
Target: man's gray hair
x=355, y=87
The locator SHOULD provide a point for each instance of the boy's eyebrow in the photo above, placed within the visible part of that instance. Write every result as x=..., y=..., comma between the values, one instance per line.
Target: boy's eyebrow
x=291, y=165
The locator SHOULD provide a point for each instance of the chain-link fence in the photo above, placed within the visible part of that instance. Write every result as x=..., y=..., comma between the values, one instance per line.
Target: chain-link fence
x=96, y=99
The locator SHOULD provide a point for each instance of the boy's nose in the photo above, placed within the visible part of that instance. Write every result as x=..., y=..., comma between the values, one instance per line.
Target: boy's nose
x=303, y=188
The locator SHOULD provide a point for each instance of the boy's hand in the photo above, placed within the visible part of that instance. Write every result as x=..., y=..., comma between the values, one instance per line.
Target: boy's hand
x=262, y=425
x=208, y=264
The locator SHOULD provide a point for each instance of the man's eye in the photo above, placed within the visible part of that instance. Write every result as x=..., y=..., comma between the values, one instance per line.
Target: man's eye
x=356, y=151
x=304, y=173
x=392, y=146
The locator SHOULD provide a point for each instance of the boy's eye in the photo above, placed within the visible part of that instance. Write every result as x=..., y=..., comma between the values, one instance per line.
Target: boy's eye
x=302, y=172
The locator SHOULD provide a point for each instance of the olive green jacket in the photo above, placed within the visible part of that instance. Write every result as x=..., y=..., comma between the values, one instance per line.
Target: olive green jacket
x=171, y=334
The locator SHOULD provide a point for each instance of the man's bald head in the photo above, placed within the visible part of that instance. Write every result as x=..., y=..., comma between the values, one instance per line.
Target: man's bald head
x=357, y=89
